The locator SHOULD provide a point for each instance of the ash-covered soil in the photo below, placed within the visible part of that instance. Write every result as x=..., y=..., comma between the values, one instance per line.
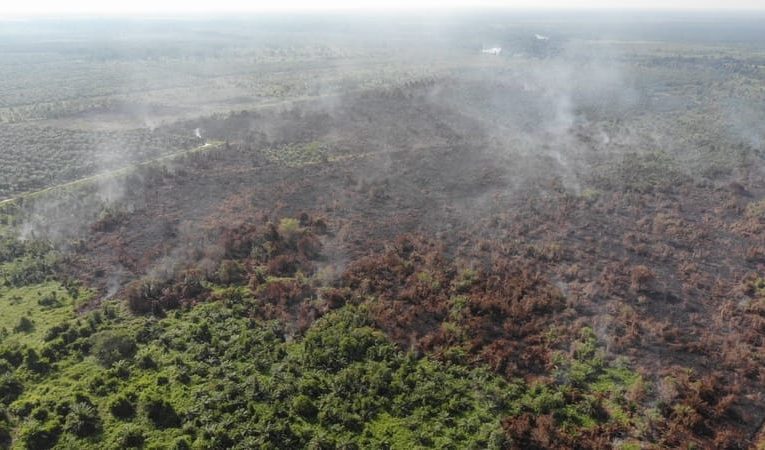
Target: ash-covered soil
x=580, y=219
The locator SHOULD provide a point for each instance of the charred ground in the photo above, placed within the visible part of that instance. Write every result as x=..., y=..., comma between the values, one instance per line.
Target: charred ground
x=592, y=227
x=417, y=218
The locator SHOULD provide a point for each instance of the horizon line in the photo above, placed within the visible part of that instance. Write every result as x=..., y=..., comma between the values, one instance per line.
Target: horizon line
x=250, y=12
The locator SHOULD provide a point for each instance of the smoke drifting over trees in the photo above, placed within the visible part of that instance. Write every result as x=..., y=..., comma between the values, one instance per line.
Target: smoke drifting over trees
x=284, y=231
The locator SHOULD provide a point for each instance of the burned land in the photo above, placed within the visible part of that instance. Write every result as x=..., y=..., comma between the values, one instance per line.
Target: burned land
x=365, y=245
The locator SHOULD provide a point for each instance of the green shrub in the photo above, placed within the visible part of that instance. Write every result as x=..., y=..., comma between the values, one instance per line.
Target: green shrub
x=336, y=343
x=25, y=325
x=182, y=443
x=54, y=350
x=49, y=301
x=109, y=347
x=121, y=407
x=10, y=388
x=120, y=369
x=288, y=229
x=5, y=429
x=5, y=367
x=12, y=354
x=230, y=272
x=82, y=420
x=161, y=413
x=129, y=436
x=40, y=414
x=304, y=407
x=39, y=435
x=22, y=408
x=5, y=435
x=33, y=362
x=146, y=361
x=218, y=436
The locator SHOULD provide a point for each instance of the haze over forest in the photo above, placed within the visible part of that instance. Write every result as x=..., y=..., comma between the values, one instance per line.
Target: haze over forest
x=391, y=226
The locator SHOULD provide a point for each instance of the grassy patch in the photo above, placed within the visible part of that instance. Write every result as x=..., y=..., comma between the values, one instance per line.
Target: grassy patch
x=589, y=394
x=44, y=305
x=297, y=155
x=641, y=172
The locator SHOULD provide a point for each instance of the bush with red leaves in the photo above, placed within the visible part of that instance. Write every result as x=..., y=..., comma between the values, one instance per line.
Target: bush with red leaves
x=505, y=314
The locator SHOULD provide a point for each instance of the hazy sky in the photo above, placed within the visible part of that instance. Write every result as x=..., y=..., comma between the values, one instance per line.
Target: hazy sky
x=56, y=7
